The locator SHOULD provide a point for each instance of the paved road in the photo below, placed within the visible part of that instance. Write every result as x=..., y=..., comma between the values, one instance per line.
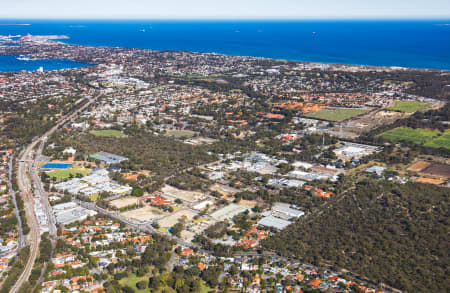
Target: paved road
x=22, y=241
x=39, y=190
x=26, y=190
x=25, y=171
x=145, y=227
x=172, y=261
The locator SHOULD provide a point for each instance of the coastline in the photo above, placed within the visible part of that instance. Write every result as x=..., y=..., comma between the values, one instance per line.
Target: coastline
x=14, y=64
x=265, y=57
x=336, y=66
x=65, y=40
x=409, y=44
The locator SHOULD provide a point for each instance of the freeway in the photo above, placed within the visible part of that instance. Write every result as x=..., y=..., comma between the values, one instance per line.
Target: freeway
x=25, y=188
x=27, y=171
x=41, y=192
x=22, y=241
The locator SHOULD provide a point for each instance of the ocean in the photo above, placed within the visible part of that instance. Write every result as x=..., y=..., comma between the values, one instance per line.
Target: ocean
x=415, y=44
x=10, y=63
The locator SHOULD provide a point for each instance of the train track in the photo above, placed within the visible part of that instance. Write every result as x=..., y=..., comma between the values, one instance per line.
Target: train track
x=22, y=241
x=25, y=172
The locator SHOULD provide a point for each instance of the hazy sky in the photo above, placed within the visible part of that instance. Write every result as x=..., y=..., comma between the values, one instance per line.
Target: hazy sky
x=234, y=9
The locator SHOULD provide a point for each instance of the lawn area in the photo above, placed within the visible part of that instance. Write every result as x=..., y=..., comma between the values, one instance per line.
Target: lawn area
x=132, y=279
x=65, y=173
x=427, y=137
x=93, y=197
x=408, y=106
x=337, y=114
x=442, y=141
x=205, y=288
x=108, y=133
x=181, y=133
x=199, y=220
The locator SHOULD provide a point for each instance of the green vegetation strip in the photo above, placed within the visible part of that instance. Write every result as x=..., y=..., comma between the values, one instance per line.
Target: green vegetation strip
x=338, y=114
x=408, y=106
x=426, y=137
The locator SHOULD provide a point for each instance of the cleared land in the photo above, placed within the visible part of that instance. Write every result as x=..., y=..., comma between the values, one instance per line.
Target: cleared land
x=200, y=140
x=370, y=121
x=427, y=137
x=187, y=235
x=248, y=203
x=189, y=196
x=181, y=133
x=108, y=133
x=124, y=202
x=419, y=166
x=223, y=189
x=429, y=181
x=65, y=173
x=440, y=170
x=171, y=220
x=143, y=214
x=408, y=106
x=338, y=114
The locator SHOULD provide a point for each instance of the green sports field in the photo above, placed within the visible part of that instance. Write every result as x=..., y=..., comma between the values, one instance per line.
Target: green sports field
x=65, y=173
x=108, y=133
x=427, y=137
x=408, y=106
x=338, y=114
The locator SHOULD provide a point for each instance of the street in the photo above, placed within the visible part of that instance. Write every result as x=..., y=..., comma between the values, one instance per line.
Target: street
x=25, y=172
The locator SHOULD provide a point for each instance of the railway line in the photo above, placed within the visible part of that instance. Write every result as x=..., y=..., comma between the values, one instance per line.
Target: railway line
x=26, y=178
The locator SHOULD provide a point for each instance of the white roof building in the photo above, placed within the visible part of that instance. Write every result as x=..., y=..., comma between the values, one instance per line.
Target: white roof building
x=287, y=211
x=228, y=212
x=271, y=221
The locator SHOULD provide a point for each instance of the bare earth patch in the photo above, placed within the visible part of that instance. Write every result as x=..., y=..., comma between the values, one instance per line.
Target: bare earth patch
x=124, y=202
x=174, y=218
x=146, y=213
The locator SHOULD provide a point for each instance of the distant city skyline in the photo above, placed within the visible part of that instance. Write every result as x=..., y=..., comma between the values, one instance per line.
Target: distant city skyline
x=229, y=9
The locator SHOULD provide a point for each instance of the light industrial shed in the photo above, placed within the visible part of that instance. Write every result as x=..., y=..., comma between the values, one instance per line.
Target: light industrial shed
x=228, y=212
x=272, y=222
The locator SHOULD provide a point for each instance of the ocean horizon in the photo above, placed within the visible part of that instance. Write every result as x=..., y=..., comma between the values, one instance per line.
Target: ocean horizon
x=403, y=43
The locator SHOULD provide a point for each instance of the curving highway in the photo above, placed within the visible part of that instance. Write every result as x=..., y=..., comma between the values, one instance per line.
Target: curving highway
x=27, y=172
x=22, y=241
x=25, y=189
